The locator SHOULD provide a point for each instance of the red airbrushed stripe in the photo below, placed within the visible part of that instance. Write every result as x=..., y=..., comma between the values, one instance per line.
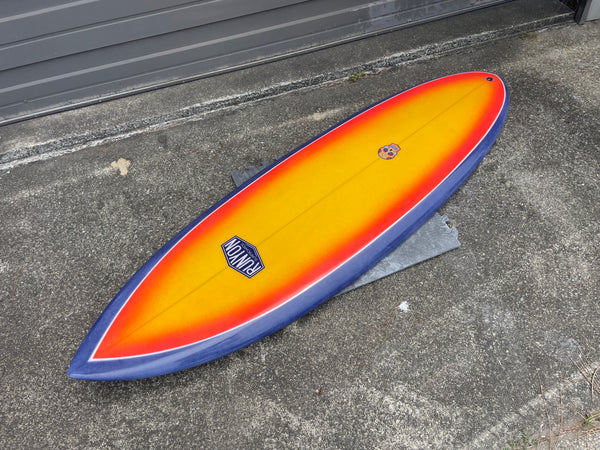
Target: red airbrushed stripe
x=110, y=347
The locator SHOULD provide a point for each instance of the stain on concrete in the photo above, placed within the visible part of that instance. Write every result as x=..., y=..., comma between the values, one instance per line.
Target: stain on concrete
x=122, y=164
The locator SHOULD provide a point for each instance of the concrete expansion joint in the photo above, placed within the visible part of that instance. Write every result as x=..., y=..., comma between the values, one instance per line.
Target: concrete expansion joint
x=57, y=147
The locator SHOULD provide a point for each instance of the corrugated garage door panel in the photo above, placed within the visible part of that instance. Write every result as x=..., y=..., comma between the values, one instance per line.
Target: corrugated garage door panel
x=49, y=33
x=56, y=54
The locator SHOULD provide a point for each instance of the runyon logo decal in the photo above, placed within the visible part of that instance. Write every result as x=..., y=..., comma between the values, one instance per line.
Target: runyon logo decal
x=242, y=256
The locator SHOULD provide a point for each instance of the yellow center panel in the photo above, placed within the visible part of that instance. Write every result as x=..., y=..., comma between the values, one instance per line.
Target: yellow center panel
x=304, y=216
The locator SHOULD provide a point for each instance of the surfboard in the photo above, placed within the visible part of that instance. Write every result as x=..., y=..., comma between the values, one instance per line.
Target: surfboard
x=298, y=232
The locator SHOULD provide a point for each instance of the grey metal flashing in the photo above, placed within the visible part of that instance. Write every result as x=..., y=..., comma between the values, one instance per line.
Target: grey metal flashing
x=587, y=10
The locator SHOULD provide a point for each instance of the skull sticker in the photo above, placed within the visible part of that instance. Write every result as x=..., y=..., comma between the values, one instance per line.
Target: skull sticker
x=389, y=151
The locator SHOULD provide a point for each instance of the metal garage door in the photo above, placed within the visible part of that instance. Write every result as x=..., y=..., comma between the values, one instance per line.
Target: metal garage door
x=56, y=54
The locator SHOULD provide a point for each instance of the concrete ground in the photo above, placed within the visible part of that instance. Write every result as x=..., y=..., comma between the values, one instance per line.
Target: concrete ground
x=496, y=337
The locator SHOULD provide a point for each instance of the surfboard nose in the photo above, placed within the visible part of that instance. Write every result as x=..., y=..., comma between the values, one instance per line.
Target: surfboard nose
x=77, y=368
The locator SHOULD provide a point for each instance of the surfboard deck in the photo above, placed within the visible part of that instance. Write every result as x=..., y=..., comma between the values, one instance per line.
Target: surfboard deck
x=298, y=232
